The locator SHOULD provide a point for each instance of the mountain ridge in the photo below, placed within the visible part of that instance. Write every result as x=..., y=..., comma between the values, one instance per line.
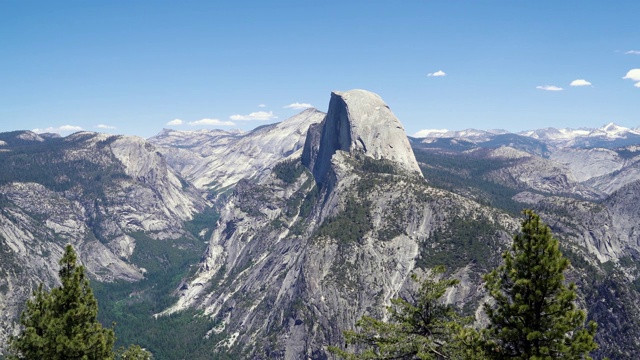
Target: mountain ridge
x=563, y=137
x=216, y=160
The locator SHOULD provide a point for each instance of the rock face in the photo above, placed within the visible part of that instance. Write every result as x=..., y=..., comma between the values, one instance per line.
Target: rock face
x=93, y=191
x=526, y=171
x=593, y=213
x=586, y=164
x=358, y=121
x=590, y=163
x=292, y=261
x=305, y=251
x=218, y=159
x=326, y=218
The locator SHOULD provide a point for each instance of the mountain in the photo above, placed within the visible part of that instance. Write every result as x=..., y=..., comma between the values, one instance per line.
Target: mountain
x=470, y=134
x=335, y=233
x=296, y=258
x=216, y=160
x=324, y=218
x=103, y=194
x=608, y=136
x=598, y=234
x=357, y=121
x=589, y=163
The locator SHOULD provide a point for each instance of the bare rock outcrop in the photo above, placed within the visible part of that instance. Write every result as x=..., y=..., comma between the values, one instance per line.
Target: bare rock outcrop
x=358, y=121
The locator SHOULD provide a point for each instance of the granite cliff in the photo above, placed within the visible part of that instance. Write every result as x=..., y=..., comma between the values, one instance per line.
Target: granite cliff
x=324, y=219
x=296, y=258
x=93, y=191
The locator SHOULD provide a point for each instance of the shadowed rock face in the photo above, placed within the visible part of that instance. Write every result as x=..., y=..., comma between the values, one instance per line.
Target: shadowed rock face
x=357, y=121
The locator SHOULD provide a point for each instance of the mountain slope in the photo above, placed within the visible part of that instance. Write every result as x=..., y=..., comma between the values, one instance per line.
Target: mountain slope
x=335, y=234
x=295, y=259
x=216, y=160
x=325, y=219
x=93, y=191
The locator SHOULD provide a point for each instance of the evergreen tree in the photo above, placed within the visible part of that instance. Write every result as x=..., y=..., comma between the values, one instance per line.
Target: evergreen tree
x=422, y=328
x=133, y=352
x=62, y=324
x=534, y=315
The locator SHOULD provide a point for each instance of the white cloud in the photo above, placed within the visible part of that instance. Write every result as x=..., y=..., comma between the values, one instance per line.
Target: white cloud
x=103, y=126
x=633, y=52
x=211, y=122
x=258, y=115
x=298, y=106
x=633, y=74
x=61, y=129
x=549, y=88
x=580, y=82
x=262, y=105
x=175, y=122
x=437, y=73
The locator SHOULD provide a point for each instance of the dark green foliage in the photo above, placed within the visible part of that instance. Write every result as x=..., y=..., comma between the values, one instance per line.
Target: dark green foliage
x=395, y=218
x=464, y=241
x=614, y=295
x=166, y=263
x=371, y=165
x=176, y=336
x=62, y=324
x=44, y=163
x=133, y=352
x=205, y=220
x=465, y=175
x=308, y=202
x=289, y=170
x=351, y=224
x=420, y=327
x=301, y=202
x=534, y=315
x=251, y=197
x=132, y=305
x=395, y=223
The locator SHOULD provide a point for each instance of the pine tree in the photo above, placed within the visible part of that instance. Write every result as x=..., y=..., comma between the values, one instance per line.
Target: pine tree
x=422, y=327
x=62, y=324
x=534, y=315
x=133, y=352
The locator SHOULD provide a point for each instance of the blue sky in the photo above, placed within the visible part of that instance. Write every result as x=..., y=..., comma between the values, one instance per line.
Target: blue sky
x=131, y=67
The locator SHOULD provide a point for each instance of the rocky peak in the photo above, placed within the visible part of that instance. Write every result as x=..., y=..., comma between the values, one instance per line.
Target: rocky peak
x=357, y=121
x=29, y=136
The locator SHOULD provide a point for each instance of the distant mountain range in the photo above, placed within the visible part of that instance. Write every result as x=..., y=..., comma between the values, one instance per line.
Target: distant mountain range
x=609, y=136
